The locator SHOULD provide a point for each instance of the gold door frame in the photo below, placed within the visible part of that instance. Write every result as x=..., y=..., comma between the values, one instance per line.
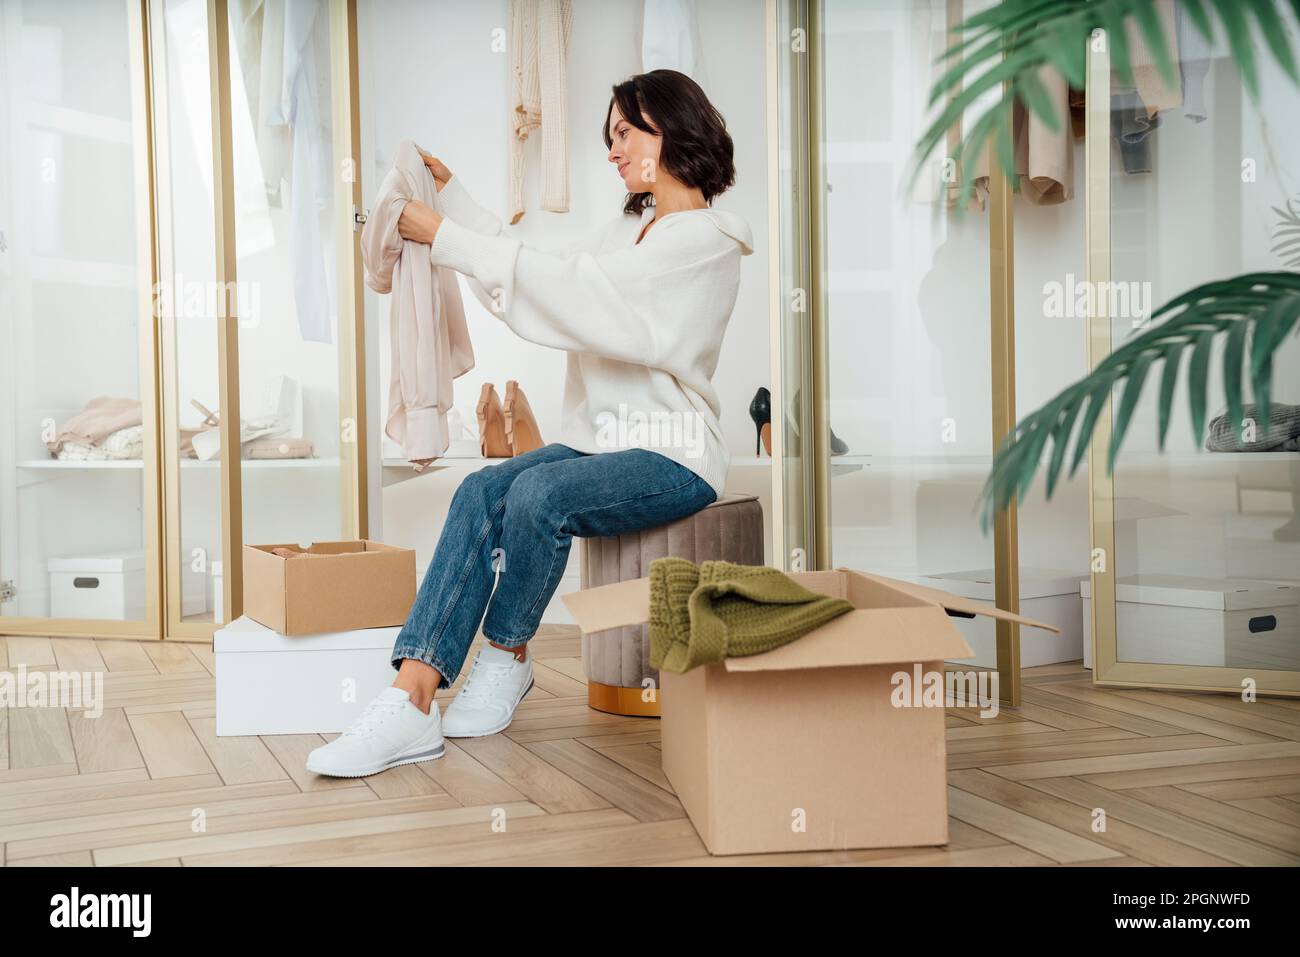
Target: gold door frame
x=775, y=294
x=1108, y=671
x=793, y=533
x=346, y=102
x=150, y=626
x=226, y=277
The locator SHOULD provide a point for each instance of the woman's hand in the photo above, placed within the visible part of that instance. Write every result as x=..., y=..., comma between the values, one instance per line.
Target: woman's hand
x=438, y=168
x=418, y=223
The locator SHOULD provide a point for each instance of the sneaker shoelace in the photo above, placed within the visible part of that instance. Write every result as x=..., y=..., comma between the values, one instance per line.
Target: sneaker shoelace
x=375, y=714
x=483, y=680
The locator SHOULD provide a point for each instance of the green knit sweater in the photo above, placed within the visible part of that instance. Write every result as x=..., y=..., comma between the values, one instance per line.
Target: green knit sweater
x=703, y=614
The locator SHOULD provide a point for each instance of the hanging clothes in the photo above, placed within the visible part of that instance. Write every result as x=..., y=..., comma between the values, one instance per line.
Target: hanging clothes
x=1044, y=157
x=283, y=48
x=934, y=29
x=670, y=38
x=1195, y=54
x=538, y=42
x=305, y=100
x=259, y=44
x=1136, y=105
x=1147, y=81
x=429, y=337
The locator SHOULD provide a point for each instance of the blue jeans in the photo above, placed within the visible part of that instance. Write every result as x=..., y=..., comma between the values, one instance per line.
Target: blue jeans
x=519, y=517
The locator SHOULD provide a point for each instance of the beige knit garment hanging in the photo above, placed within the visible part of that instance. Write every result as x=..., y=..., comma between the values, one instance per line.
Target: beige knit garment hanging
x=539, y=33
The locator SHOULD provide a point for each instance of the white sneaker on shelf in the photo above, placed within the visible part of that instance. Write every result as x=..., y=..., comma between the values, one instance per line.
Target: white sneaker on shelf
x=486, y=704
x=391, y=731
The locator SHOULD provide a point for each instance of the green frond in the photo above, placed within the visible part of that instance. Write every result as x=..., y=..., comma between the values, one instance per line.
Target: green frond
x=1286, y=244
x=1254, y=314
x=1009, y=43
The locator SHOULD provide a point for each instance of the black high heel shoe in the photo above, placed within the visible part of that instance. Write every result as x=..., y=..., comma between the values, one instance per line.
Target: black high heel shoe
x=760, y=410
x=838, y=445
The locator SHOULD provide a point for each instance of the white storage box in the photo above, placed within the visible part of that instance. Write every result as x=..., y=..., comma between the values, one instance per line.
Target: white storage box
x=268, y=683
x=216, y=593
x=1046, y=595
x=1216, y=622
x=98, y=586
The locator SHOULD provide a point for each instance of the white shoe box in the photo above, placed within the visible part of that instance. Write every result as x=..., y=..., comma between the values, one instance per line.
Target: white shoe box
x=1046, y=595
x=1214, y=622
x=109, y=587
x=268, y=683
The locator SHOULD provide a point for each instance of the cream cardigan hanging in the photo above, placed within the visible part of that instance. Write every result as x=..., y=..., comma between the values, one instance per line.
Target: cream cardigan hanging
x=538, y=42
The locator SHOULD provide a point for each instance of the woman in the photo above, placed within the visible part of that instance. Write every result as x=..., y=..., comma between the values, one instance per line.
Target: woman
x=640, y=307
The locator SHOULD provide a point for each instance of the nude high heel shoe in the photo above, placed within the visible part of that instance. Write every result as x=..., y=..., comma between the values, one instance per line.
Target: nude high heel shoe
x=492, y=443
x=522, y=433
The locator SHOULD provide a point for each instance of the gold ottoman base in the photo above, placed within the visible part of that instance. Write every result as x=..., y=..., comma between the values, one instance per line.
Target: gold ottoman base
x=626, y=701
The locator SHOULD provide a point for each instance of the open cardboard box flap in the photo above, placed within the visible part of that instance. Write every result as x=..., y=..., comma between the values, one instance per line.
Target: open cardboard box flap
x=902, y=622
x=955, y=603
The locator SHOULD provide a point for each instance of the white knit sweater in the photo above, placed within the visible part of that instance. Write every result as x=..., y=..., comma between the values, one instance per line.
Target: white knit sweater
x=642, y=322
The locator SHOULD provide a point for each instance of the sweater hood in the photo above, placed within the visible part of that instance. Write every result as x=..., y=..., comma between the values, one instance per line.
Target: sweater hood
x=734, y=226
x=729, y=224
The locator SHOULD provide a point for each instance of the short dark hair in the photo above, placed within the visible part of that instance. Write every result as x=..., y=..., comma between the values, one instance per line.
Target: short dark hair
x=696, y=148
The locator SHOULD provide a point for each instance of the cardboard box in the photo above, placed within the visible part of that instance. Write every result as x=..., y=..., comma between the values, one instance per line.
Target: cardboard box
x=314, y=684
x=802, y=748
x=354, y=584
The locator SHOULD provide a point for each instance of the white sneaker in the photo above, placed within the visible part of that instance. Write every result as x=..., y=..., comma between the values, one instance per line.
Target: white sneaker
x=486, y=704
x=391, y=731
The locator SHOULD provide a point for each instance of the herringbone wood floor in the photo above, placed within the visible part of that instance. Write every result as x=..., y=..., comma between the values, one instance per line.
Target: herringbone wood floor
x=1183, y=778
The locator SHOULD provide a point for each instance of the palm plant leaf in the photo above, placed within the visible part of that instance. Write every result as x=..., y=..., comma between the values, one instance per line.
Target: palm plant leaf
x=1287, y=237
x=1001, y=50
x=1256, y=313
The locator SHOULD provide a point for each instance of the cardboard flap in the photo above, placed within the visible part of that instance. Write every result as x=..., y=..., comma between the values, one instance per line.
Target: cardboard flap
x=610, y=606
x=865, y=636
x=963, y=606
x=628, y=603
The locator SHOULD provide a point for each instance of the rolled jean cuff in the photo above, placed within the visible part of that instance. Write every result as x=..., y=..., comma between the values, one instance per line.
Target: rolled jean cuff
x=402, y=652
x=509, y=642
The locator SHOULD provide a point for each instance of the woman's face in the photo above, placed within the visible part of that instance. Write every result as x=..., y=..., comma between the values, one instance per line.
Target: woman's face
x=634, y=152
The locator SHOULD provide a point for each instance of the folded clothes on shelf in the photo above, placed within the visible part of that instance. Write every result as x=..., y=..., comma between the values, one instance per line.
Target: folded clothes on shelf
x=278, y=447
x=101, y=418
x=272, y=432
x=1282, y=434
x=125, y=443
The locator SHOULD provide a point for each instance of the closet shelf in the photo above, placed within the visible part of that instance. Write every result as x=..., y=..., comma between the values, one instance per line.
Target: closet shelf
x=453, y=461
x=71, y=465
x=397, y=470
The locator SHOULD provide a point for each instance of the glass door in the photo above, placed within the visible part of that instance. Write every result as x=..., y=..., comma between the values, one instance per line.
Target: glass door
x=288, y=93
x=1196, y=182
x=899, y=376
x=78, y=479
x=906, y=293
x=189, y=313
x=271, y=328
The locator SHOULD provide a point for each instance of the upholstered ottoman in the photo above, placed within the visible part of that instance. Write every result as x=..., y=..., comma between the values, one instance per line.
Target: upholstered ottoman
x=617, y=662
